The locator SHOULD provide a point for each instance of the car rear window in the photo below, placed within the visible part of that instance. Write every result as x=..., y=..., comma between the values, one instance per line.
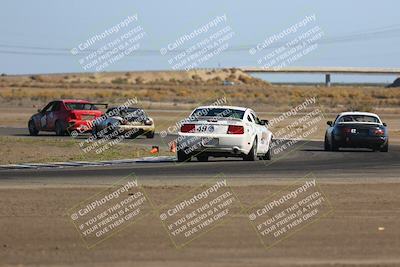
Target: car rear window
x=81, y=106
x=126, y=112
x=359, y=118
x=218, y=112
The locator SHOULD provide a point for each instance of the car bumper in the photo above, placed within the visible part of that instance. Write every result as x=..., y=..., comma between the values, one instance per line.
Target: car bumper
x=79, y=125
x=214, y=144
x=361, y=141
x=142, y=128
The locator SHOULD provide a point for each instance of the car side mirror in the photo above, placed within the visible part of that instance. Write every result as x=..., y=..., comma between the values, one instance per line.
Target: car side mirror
x=384, y=124
x=39, y=110
x=264, y=122
x=329, y=123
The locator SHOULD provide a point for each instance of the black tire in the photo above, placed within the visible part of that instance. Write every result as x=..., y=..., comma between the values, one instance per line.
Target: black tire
x=94, y=132
x=136, y=134
x=150, y=135
x=60, y=130
x=268, y=155
x=334, y=146
x=32, y=128
x=385, y=148
x=252, y=156
x=326, y=145
x=202, y=157
x=182, y=156
x=110, y=130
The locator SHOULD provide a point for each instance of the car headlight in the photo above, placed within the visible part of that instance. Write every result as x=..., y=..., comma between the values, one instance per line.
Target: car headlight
x=148, y=122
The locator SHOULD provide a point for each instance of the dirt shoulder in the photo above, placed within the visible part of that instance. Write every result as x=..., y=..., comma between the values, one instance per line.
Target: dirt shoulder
x=36, y=231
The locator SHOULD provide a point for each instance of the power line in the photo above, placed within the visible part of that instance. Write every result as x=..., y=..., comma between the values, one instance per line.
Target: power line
x=391, y=31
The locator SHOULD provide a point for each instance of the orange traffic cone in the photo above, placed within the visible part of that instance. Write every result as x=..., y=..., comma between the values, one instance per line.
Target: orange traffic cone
x=154, y=150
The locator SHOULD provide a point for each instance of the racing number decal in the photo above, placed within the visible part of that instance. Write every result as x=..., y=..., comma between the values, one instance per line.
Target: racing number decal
x=203, y=128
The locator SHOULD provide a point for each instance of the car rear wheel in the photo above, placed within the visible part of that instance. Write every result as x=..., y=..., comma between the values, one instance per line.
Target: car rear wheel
x=182, y=156
x=252, y=156
x=95, y=133
x=60, y=131
x=136, y=134
x=385, y=148
x=32, y=128
x=150, y=135
x=268, y=155
x=202, y=157
x=334, y=146
x=326, y=144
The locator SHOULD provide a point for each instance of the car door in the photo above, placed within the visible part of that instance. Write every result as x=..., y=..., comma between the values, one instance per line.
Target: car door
x=261, y=131
x=250, y=123
x=53, y=115
x=43, y=115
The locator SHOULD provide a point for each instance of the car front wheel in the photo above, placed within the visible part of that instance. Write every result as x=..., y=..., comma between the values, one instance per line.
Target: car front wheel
x=32, y=128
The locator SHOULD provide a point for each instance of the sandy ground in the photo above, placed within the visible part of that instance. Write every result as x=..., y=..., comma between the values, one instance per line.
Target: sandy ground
x=35, y=230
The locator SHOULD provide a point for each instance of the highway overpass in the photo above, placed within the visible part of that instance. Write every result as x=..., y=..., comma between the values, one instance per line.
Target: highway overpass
x=328, y=71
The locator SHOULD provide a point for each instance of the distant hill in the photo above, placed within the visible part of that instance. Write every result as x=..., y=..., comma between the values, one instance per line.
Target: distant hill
x=192, y=77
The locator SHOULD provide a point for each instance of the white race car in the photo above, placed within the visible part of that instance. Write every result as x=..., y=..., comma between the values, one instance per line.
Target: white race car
x=223, y=131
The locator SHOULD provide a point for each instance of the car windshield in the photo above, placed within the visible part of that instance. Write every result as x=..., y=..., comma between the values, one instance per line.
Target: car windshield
x=359, y=118
x=81, y=106
x=218, y=112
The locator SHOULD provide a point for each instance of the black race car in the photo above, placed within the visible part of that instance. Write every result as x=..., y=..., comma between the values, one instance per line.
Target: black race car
x=357, y=130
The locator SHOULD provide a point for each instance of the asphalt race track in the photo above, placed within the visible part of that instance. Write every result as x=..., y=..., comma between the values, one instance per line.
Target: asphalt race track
x=305, y=158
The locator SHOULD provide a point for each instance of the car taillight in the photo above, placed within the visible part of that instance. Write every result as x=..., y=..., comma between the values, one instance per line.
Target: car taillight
x=233, y=129
x=346, y=130
x=187, y=128
x=379, y=132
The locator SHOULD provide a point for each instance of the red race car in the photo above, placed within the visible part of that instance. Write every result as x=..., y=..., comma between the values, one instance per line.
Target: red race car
x=64, y=116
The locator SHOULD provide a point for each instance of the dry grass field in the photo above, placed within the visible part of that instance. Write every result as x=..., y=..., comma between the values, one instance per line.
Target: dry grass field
x=177, y=88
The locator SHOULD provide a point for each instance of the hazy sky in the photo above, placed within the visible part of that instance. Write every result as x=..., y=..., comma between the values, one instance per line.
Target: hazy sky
x=37, y=35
